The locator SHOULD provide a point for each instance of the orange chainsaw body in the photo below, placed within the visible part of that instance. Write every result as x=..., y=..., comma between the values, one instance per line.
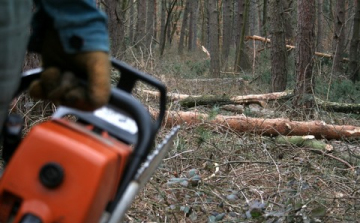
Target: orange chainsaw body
x=91, y=165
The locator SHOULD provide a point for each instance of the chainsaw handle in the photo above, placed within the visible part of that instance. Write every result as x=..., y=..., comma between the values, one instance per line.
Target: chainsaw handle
x=128, y=79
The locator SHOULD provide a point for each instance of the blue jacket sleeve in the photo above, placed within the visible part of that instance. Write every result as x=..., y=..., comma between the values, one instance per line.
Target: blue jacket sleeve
x=81, y=26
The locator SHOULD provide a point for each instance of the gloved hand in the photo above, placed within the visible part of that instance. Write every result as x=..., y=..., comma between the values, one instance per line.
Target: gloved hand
x=61, y=80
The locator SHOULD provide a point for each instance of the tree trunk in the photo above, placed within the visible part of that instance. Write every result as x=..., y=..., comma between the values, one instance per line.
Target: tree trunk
x=241, y=60
x=253, y=19
x=227, y=32
x=278, y=47
x=131, y=23
x=264, y=18
x=204, y=23
x=113, y=9
x=319, y=19
x=270, y=127
x=354, y=65
x=140, y=23
x=305, y=45
x=149, y=24
x=287, y=19
x=165, y=26
x=163, y=21
x=339, y=37
x=214, y=39
x=194, y=10
x=184, y=26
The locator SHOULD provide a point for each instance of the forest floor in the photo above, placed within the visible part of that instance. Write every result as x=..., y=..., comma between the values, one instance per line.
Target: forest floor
x=227, y=176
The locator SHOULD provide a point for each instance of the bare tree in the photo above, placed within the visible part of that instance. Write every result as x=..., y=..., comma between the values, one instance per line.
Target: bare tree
x=131, y=22
x=140, y=22
x=214, y=38
x=278, y=46
x=305, y=45
x=204, y=23
x=319, y=25
x=264, y=18
x=287, y=20
x=227, y=31
x=354, y=64
x=339, y=37
x=116, y=18
x=184, y=26
x=165, y=23
x=150, y=13
x=242, y=60
x=194, y=9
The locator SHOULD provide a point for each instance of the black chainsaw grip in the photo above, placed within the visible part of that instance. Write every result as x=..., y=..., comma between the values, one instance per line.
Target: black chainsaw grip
x=128, y=79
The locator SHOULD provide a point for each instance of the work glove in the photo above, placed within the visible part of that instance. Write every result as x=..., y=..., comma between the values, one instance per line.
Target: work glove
x=80, y=80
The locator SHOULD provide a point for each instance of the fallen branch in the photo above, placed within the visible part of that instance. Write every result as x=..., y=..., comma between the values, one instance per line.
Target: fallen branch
x=262, y=39
x=338, y=107
x=304, y=141
x=271, y=127
x=261, y=99
x=192, y=100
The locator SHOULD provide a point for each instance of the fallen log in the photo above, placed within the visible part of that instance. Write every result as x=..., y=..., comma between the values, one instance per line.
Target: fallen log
x=266, y=40
x=270, y=127
x=338, y=107
x=192, y=100
x=260, y=99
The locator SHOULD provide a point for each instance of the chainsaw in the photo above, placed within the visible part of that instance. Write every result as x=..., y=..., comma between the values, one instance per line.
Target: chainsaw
x=88, y=170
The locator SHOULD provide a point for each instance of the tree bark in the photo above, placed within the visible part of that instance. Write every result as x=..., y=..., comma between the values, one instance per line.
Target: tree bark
x=184, y=26
x=278, y=47
x=116, y=19
x=140, y=23
x=150, y=13
x=131, y=23
x=227, y=32
x=354, y=65
x=194, y=11
x=339, y=37
x=241, y=60
x=319, y=19
x=270, y=127
x=165, y=26
x=264, y=18
x=214, y=39
x=305, y=45
x=287, y=20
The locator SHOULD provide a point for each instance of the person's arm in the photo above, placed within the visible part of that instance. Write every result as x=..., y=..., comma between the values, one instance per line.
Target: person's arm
x=72, y=38
x=80, y=25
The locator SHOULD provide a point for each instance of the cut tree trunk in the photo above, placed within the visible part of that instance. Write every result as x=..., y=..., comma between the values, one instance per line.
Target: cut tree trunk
x=267, y=40
x=260, y=99
x=338, y=107
x=270, y=127
x=192, y=100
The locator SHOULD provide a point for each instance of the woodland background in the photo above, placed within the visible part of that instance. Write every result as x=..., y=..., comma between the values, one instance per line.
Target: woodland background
x=213, y=50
